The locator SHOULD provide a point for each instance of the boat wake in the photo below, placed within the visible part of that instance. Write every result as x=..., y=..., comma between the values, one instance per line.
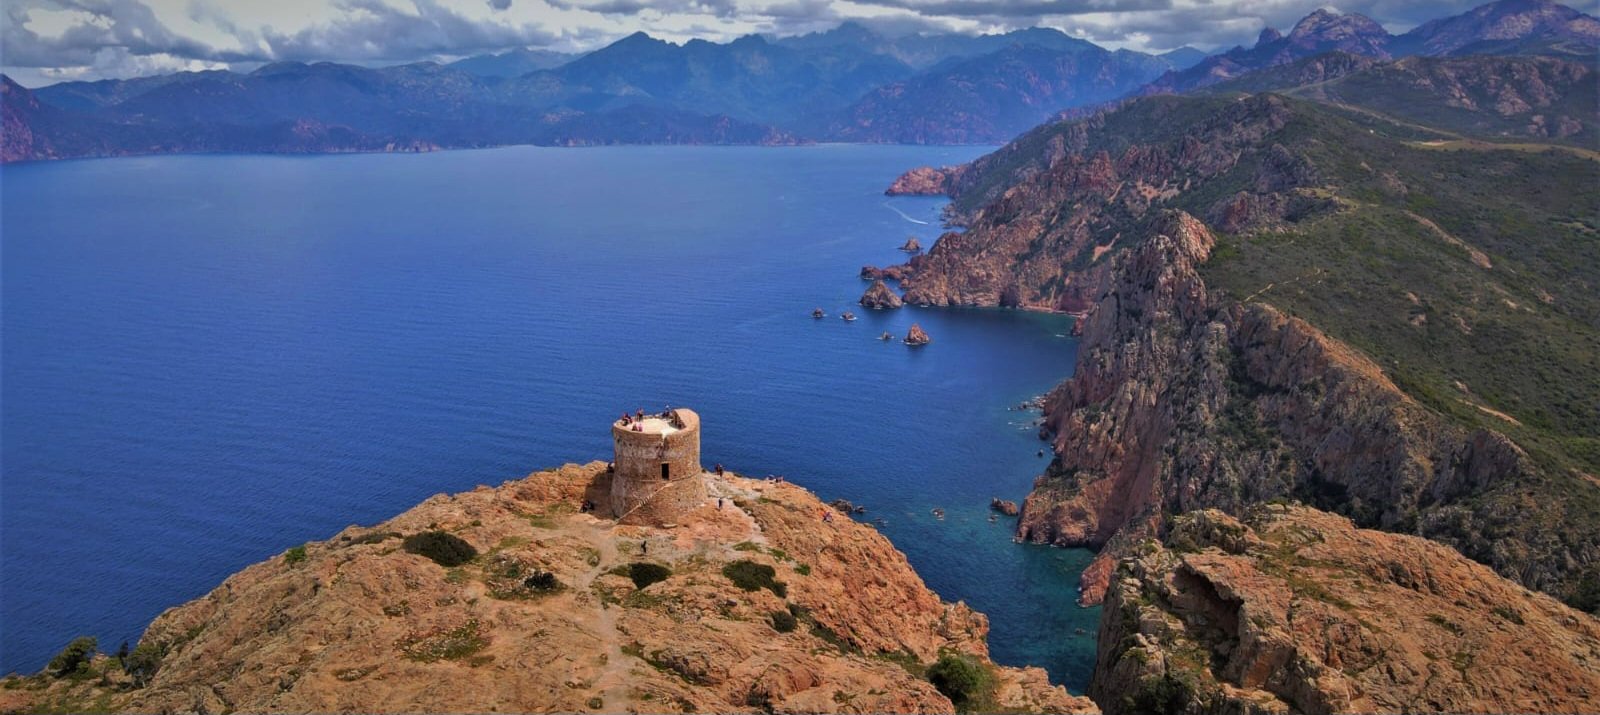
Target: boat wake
x=903, y=214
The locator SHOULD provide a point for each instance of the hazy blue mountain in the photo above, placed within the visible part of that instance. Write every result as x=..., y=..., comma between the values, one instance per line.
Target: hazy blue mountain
x=1184, y=57
x=850, y=83
x=1506, y=27
x=993, y=97
x=750, y=78
x=1502, y=27
x=514, y=63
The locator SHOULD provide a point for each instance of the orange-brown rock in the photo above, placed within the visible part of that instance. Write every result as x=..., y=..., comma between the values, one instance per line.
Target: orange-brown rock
x=1184, y=397
x=1297, y=610
x=361, y=625
x=916, y=336
x=879, y=295
x=925, y=181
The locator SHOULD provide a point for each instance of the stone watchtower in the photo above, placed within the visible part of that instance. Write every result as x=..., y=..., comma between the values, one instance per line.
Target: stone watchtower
x=657, y=476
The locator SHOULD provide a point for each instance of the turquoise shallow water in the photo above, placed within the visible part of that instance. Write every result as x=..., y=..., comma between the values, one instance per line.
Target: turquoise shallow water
x=209, y=359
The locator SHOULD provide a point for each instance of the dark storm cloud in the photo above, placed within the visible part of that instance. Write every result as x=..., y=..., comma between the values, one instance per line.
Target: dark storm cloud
x=380, y=32
x=1223, y=25
x=718, y=8
x=123, y=25
x=127, y=31
x=125, y=37
x=1017, y=8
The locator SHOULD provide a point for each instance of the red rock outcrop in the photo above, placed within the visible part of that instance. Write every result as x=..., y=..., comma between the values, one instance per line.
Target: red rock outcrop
x=1296, y=610
x=358, y=624
x=1183, y=398
x=880, y=296
x=916, y=336
x=925, y=181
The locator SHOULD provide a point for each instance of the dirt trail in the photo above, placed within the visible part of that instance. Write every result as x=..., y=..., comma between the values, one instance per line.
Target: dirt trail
x=612, y=682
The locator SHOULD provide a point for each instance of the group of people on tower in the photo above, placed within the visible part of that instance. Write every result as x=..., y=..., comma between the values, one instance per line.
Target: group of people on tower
x=636, y=420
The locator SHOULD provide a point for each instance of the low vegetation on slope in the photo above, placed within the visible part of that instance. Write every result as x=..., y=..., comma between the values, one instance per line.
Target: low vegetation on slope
x=1488, y=97
x=1296, y=610
x=514, y=599
x=1466, y=273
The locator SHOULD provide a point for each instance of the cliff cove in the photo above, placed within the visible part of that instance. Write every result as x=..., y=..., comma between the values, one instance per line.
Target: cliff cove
x=341, y=363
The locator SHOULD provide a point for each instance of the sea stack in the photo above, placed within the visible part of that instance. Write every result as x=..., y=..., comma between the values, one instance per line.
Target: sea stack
x=880, y=296
x=916, y=336
x=912, y=245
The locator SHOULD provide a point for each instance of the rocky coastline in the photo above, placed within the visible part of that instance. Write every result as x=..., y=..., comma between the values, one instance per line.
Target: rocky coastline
x=753, y=603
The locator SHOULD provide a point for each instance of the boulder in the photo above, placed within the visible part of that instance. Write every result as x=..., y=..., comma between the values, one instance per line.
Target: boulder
x=880, y=296
x=916, y=336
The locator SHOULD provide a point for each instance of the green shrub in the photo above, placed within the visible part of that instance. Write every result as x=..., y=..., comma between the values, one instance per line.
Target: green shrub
x=784, y=622
x=752, y=576
x=74, y=658
x=143, y=663
x=963, y=679
x=295, y=555
x=444, y=548
x=542, y=582
x=644, y=574
x=1160, y=694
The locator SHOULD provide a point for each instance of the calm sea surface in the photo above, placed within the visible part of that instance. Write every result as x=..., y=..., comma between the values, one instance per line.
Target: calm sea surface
x=207, y=360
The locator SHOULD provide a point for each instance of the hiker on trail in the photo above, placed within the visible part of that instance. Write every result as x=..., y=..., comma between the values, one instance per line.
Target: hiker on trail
x=719, y=469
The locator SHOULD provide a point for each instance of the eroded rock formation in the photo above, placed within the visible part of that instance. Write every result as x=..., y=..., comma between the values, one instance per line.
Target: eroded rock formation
x=1186, y=398
x=924, y=181
x=1297, y=610
x=880, y=296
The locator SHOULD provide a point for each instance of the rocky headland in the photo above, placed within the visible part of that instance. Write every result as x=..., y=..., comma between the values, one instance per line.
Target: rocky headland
x=753, y=603
x=1187, y=396
x=924, y=181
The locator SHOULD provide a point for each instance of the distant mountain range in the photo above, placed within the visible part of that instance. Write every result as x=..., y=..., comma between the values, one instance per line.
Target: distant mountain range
x=1506, y=27
x=846, y=84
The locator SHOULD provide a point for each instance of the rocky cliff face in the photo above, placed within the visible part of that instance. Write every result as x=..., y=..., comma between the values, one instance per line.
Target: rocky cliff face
x=356, y=623
x=1296, y=610
x=1186, y=398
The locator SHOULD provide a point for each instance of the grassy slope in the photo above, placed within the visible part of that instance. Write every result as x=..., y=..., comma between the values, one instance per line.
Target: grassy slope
x=1520, y=338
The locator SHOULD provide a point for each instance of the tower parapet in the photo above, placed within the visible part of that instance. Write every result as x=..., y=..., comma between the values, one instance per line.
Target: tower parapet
x=657, y=475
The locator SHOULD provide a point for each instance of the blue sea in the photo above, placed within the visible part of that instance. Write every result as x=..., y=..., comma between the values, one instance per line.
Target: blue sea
x=209, y=359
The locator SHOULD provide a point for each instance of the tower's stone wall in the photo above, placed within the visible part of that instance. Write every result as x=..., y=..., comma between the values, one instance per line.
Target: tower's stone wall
x=657, y=475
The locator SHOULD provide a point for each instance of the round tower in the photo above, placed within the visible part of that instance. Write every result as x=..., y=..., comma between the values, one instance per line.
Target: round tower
x=657, y=476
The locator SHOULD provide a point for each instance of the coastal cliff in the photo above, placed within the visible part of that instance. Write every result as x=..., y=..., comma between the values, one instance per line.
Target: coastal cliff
x=1296, y=610
x=1281, y=302
x=756, y=604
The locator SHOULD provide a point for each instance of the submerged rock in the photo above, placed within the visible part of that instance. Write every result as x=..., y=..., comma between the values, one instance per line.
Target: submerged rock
x=1004, y=506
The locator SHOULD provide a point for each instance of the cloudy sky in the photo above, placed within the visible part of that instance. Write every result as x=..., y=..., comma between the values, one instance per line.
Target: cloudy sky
x=44, y=41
